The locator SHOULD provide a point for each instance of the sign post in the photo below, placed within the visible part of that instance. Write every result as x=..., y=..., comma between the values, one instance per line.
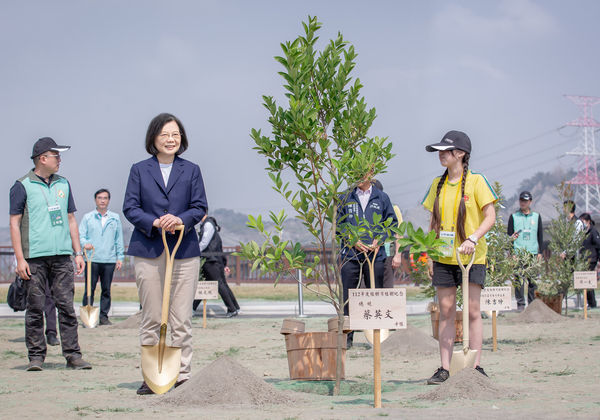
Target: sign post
x=206, y=290
x=377, y=309
x=495, y=299
x=585, y=280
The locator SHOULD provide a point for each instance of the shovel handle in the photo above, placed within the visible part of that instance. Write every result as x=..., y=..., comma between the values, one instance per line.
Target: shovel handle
x=465, y=291
x=88, y=280
x=170, y=254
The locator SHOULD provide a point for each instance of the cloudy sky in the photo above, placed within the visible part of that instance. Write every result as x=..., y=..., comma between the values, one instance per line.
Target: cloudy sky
x=92, y=74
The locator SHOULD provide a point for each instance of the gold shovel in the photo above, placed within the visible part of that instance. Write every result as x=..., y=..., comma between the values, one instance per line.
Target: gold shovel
x=89, y=314
x=465, y=357
x=161, y=363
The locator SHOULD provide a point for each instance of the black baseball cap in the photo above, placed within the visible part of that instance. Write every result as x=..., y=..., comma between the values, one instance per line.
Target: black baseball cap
x=525, y=195
x=45, y=144
x=452, y=140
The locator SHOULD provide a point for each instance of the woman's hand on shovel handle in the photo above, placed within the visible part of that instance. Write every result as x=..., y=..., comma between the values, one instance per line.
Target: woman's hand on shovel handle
x=168, y=222
x=467, y=247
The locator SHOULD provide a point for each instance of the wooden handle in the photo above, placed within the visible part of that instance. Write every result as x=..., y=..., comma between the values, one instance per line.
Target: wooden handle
x=88, y=281
x=164, y=318
x=465, y=291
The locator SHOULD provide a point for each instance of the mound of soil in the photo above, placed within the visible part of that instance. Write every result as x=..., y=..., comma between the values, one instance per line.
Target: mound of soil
x=132, y=322
x=468, y=384
x=538, y=311
x=225, y=382
x=408, y=342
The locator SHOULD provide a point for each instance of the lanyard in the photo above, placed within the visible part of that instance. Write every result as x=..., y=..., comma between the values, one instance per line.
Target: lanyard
x=456, y=200
x=46, y=198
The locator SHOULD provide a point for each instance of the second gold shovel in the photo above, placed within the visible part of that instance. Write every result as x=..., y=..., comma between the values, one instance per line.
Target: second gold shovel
x=161, y=363
x=89, y=314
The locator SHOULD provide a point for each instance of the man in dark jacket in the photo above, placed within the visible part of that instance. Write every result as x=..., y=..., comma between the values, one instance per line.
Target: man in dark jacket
x=362, y=203
x=215, y=263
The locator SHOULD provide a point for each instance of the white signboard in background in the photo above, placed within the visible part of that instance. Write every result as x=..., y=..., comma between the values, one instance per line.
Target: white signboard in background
x=496, y=299
x=377, y=309
x=585, y=280
x=207, y=290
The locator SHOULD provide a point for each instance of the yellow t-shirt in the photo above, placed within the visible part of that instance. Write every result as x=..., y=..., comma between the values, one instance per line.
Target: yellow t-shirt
x=478, y=194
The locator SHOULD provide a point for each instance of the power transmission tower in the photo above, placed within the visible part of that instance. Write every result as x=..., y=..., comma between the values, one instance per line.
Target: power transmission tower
x=586, y=182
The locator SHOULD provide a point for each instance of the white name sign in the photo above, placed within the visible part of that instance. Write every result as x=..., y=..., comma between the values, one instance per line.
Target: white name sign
x=585, y=280
x=207, y=290
x=377, y=309
x=496, y=299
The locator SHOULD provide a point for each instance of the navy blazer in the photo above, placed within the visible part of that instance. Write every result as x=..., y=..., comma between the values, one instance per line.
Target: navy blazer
x=147, y=198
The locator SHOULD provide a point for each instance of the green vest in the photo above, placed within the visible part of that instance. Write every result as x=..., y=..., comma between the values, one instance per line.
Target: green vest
x=40, y=237
x=528, y=225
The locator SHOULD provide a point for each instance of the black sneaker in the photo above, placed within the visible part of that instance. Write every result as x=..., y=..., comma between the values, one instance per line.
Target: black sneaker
x=480, y=370
x=144, y=389
x=105, y=321
x=51, y=340
x=35, y=365
x=180, y=382
x=438, y=377
x=231, y=314
x=78, y=364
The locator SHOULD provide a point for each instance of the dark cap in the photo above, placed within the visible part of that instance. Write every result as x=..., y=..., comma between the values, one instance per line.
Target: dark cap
x=45, y=144
x=525, y=195
x=452, y=140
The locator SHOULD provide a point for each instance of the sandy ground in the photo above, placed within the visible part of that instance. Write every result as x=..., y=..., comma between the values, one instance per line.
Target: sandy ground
x=551, y=370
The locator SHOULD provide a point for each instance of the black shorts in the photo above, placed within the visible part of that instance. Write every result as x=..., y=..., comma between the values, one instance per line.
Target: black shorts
x=449, y=275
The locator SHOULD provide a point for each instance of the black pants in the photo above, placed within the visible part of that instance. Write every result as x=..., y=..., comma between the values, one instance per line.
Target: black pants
x=216, y=271
x=104, y=272
x=351, y=271
x=519, y=294
x=55, y=273
x=591, y=294
x=50, y=312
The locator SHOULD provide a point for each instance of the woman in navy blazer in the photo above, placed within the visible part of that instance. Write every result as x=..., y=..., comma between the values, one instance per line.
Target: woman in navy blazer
x=163, y=192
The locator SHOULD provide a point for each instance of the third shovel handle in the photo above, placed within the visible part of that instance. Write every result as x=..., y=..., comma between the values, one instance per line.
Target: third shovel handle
x=170, y=255
x=465, y=291
x=88, y=280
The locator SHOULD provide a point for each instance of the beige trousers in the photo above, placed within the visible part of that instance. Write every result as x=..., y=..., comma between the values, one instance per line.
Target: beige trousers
x=150, y=280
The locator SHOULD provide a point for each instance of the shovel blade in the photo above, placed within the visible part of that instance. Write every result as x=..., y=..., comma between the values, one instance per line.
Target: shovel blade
x=89, y=316
x=383, y=335
x=163, y=380
x=462, y=359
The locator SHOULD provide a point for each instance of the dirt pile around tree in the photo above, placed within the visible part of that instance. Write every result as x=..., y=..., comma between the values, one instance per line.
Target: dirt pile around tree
x=226, y=382
x=468, y=384
x=409, y=341
x=132, y=322
x=538, y=311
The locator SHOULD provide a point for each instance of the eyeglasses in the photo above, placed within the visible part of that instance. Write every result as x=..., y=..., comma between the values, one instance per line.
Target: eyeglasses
x=166, y=136
x=56, y=156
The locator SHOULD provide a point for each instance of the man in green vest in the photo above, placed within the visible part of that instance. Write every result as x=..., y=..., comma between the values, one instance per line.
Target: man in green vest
x=525, y=228
x=44, y=236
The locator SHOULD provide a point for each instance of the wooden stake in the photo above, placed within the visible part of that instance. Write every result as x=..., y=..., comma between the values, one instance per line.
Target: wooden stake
x=204, y=313
x=584, y=303
x=377, y=367
x=494, y=332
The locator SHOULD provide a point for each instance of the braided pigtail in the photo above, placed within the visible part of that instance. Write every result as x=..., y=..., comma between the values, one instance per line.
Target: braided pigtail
x=436, y=219
x=462, y=209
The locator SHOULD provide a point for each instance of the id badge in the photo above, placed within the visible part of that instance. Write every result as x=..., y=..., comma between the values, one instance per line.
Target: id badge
x=527, y=234
x=56, y=218
x=448, y=238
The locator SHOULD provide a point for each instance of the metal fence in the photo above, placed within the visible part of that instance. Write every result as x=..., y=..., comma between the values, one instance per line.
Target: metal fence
x=240, y=268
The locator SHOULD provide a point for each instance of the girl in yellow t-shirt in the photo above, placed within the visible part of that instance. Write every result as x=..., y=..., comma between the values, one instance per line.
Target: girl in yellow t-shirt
x=462, y=207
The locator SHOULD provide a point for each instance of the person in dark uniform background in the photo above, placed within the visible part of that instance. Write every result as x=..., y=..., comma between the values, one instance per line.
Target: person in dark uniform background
x=592, y=244
x=215, y=264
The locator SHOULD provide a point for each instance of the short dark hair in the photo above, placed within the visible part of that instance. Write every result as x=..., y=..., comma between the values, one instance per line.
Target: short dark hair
x=100, y=191
x=570, y=203
x=155, y=127
x=377, y=183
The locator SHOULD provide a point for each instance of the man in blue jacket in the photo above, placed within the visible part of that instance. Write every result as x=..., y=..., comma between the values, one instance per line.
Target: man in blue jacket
x=362, y=203
x=101, y=230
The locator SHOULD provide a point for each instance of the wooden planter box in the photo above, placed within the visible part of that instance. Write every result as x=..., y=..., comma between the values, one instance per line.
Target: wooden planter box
x=332, y=325
x=312, y=356
x=553, y=302
x=458, y=323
